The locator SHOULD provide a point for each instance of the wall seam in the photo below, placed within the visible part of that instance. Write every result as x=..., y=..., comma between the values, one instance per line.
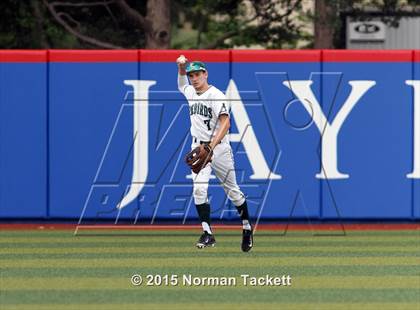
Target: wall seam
x=48, y=191
x=413, y=215
x=321, y=94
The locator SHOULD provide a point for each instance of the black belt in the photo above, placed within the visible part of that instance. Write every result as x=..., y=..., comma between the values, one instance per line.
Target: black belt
x=201, y=142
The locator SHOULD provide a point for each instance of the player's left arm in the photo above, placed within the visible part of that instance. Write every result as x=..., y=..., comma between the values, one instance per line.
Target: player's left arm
x=224, y=125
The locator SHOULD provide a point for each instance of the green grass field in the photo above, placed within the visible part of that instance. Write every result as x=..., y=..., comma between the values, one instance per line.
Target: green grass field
x=50, y=269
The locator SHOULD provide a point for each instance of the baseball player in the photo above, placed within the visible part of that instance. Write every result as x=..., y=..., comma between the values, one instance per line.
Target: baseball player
x=209, y=114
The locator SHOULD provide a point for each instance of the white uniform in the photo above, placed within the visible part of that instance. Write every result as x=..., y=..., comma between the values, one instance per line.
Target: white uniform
x=204, y=111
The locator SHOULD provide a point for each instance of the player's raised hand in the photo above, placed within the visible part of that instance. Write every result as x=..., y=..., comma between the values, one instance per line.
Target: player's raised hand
x=182, y=63
x=181, y=60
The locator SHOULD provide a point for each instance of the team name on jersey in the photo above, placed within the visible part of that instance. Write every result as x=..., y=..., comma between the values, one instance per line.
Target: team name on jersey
x=201, y=109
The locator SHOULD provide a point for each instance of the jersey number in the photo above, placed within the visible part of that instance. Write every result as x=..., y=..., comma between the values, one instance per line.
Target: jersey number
x=207, y=122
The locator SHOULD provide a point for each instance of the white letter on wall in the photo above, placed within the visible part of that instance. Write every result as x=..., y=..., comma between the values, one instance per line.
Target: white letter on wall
x=247, y=134
x=141, y=139
x=329, y=132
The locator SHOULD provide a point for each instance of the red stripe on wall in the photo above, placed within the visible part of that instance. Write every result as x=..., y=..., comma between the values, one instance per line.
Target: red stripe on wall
x=172, y=55
x=367, y=56
x=416, y=57
x=93, y=55
x=276, y=56
x=251, y=56
x=23, y=56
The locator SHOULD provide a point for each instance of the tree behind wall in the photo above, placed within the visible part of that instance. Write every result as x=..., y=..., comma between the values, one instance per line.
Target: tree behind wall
x=243, y=23
x=324, y=17
x=149, y=24
x=85, y=24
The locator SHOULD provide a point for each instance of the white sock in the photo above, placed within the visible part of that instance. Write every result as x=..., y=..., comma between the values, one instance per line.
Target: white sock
x=246, y=225
x=206, y=227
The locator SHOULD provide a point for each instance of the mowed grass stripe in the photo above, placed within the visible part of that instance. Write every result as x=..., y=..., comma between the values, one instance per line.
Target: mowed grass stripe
x=220, y=294
x=220, y=254
x=176, y=243
x=101, y=272
x=150, y=239
x=221, y=248
x=247, y=261
x=189, y=245
x=299, y=282
x=226, y=305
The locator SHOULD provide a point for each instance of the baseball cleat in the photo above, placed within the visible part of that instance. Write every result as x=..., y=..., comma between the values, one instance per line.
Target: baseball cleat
x=206, y=240
x=247, y=240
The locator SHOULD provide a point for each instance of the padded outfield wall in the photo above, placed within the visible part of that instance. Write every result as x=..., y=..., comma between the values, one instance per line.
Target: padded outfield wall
x=315, y=134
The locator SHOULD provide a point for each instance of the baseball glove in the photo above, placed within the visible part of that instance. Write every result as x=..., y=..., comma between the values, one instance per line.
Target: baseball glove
x=198, y=158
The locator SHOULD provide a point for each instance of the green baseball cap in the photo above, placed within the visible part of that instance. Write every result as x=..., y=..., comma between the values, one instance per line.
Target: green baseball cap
x=196, y=66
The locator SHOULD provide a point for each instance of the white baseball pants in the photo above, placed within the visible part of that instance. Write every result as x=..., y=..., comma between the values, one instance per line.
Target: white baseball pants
x=224, y=168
